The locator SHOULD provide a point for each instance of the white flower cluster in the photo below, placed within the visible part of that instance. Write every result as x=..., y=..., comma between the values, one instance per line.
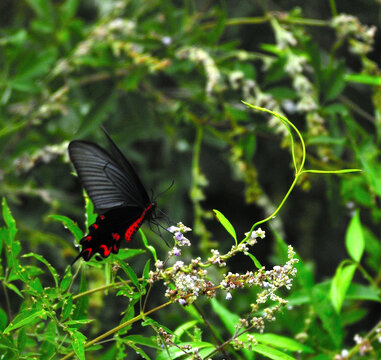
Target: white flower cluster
x=199, y=55
x=361, y=36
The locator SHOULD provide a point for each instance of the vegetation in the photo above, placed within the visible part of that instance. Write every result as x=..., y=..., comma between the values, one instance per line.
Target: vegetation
x=267, y=120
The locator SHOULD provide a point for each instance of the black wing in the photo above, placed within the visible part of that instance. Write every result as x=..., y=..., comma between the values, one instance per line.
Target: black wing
x=109, y=180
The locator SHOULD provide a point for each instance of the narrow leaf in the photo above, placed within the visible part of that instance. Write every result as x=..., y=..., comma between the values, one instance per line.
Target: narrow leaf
x=354, y=239
x=9, y=221
x=91, y=216
x=78, y=344
x=66, y=280
x=67, y=307
x=131, y=274
x=146, y=245
x=3, y=319
x=330, y=320
x=69, y=224
x=228, y=318
x=271, y=353
x=48, y=265
x=23, y=319
x=226, y=224
x=185, y=327
x=255, y=260
x=340, y=284
x=283, y=342
x=146, y=269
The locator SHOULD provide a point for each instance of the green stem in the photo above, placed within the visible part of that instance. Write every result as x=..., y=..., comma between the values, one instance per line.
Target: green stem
x=276, y=211
x=332, y=4
x=298, y=169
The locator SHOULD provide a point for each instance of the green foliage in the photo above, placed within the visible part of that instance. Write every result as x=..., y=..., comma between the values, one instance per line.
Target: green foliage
x=226, y=224
x=201, y=93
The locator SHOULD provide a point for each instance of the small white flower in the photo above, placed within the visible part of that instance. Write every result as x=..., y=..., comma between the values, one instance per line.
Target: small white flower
x=159, y=264
x=166, y=40
x=344, y=353
x=228, y=296
x=172, y=229
x=176, y=251
x=182, y=302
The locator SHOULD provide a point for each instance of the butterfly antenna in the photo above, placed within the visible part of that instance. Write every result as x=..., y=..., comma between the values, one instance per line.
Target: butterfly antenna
x=158, y=232
x=165, y=216
x=167, y=189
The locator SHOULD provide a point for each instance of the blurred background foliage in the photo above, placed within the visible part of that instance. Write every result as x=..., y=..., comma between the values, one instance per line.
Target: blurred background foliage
x=166, y=79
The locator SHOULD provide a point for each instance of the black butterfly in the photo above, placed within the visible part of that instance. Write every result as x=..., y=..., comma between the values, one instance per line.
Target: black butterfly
x=118, y=195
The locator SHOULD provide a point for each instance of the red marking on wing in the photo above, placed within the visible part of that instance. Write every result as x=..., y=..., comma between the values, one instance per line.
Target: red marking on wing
x=89, y=250
x=115, y=248
x=106, y=252
x=87, y=238
x=102, y=217
x=95, y=226
x=131, y=230
x=115, y=236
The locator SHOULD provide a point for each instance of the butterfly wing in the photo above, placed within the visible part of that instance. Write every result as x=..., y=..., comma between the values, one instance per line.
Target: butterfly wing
x=109, y=180
x=108, y=231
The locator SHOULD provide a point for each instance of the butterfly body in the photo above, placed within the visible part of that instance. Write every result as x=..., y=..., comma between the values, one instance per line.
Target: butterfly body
x=118, y=195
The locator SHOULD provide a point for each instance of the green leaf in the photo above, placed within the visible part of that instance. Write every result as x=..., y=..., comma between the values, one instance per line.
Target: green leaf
x=364, y=79
x=67, y=307
x=185, y=327
x=78, y=344
x=129, y=253
x=66, y=280
x=10, y=222
x=354, y=239
x=131, y=274
x=81, y=306
x=37, y=65
x=78, y=322
x=15, y=289
x=340, y=284
x=271, y=353
x=283, y=342
x=175, y=352
x=334, y=81
x=362, y=292
x=3, y=319
x=330, y=320
x=70, y=225
x=255, y=260
x=48, y=265
x=35, y=284
x=21, y=339
x=91, y=216
x=138, y=351
x=146, y=269
x=228, y=318
x=25, y=318
x=147, y=246
x=41, y=7
x=226, y=224
x=3, y=234
x=143, y=340
x=69, y=8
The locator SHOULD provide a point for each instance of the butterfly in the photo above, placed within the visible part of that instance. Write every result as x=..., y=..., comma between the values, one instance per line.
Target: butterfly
x=118, y=195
